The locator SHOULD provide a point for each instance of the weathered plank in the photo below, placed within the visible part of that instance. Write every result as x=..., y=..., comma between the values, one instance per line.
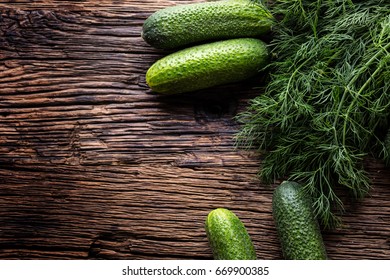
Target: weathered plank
x=94, y=166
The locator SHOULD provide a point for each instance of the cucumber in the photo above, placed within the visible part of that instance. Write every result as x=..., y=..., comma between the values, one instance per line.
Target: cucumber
x=207, y=65
x=186, y=24
x=297, y=227
x=228, y=237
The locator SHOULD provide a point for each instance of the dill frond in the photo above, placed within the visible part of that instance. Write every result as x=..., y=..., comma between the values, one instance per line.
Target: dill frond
x=327, y=102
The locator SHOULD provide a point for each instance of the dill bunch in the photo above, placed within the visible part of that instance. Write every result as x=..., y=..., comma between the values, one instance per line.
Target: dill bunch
x=327, y=101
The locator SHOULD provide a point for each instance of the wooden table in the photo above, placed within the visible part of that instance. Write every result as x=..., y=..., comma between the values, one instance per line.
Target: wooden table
x=94, y=166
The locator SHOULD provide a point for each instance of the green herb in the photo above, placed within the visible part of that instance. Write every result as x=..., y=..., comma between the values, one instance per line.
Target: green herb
x=328, y=99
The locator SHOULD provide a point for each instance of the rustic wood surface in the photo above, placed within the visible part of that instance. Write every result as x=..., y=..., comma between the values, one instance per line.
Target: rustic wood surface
x=94, y=166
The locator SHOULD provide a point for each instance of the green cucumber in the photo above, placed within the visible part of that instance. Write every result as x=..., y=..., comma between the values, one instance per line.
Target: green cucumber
x=207, y=65
x=297, y=227
x=186, y=24
x=228, y=237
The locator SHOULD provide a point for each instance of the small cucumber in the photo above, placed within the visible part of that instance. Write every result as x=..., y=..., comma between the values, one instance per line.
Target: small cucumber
x=186, y=24
x=297, y=227
x=228, y=237
x=207, y=65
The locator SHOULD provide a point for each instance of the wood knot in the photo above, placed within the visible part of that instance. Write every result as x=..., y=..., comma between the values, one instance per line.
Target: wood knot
x=215, y=109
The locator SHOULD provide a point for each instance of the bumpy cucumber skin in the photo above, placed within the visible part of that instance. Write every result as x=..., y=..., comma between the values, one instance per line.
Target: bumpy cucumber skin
x=207, y=65
x=298, y=229
x=186, y=24
x=228, y=237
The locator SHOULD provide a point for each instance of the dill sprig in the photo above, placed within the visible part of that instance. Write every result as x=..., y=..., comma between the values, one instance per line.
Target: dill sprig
x=327, y=101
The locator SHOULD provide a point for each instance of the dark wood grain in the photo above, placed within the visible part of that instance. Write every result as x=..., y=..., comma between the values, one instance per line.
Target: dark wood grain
x=92, y=165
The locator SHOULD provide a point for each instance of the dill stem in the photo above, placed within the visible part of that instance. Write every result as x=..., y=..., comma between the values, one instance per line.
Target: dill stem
x=290, y=81
x=358, y=94
x=346, y=91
